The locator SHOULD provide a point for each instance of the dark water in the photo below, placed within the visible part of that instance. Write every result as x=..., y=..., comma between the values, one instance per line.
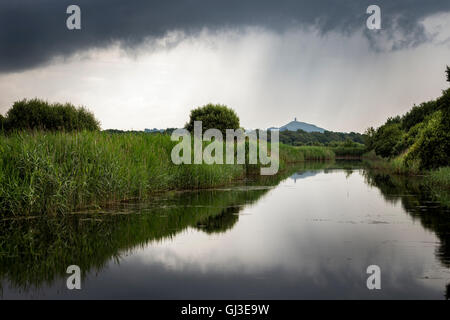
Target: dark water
x=310, y=233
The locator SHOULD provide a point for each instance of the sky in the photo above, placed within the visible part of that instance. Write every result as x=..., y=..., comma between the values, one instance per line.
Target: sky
x=145, y=64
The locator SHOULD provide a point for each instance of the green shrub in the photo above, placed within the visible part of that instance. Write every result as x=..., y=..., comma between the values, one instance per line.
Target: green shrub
x=37, y=114
x=386, y=138
x=214, y=117
x=418, y=114
x=432, y=147
x=420, y=138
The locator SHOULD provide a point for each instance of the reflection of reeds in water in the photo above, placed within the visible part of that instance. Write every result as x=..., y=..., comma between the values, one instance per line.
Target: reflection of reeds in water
x=37, y=251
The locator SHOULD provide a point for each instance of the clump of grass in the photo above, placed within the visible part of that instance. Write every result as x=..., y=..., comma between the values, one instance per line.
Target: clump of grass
x=317, y=153
x=397, y=165
x=290, y=154
x=353, y=152
x=438, y=182
x=440, y=178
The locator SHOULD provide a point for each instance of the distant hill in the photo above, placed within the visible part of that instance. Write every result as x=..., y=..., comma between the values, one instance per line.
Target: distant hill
x=296, y=125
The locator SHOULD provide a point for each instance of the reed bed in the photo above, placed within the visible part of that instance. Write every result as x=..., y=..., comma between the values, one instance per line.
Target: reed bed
x=56, y=173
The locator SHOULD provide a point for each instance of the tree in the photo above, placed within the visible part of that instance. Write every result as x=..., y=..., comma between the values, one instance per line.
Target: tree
x=448, y=73
x=432, y=147
x=386, y=138
x=2, y=123
x=369, y=138
x=37, y=114
x=214, y=116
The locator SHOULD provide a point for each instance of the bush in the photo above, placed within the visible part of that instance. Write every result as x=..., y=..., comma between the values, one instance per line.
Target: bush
x=37, y=114
x=418, y=114
x=214, y=117
x=432, y=147
x=386, y=138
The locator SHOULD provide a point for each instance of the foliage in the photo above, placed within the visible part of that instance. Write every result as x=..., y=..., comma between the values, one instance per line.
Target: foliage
x=37, y=114
x=418, y=114
x=432, y=147
x=385, y=139
x=214, y=117
x=440, y=178
x=118, y=131
x=58, y=172
x=327, y=138
x=419, y=140
x=2, y=122
x=349, y=152
x=303, y=153
x=447, y=71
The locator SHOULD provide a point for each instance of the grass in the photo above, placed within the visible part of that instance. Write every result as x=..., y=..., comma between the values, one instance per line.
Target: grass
x=440, y=177
x=436, y=181
x=57, y=173
x=396, y=165
x=344, y=152
x=289, y=154
x=60, y=172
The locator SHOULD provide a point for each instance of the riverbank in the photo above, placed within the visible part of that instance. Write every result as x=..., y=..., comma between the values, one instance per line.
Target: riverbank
x=58, y=173
x=437, y=181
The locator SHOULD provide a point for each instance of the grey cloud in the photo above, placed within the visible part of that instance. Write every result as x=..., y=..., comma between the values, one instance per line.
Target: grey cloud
x=33, y=32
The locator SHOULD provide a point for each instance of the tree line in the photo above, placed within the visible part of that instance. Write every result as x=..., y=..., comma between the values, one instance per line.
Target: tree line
x=420, y=138
x=327, y=138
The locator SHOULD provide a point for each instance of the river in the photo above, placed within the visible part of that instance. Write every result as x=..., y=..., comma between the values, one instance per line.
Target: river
x=309, y=233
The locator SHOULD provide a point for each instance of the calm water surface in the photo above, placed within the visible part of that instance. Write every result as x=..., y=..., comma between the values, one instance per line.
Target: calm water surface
x=308, y=234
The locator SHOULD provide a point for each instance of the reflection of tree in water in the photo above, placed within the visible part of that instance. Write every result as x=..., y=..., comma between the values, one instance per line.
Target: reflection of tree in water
x=417, y=201
x=447, y=292
x=221, y=222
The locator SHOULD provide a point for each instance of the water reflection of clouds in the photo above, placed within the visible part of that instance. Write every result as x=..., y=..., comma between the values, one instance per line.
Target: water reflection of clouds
x=308, y=243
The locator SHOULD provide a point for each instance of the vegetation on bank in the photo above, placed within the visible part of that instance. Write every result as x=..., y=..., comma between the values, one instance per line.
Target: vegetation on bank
x=348, y=149
x=305, y=153
x=327, y=138
x=416, y=143
x=418, y=140
x=59, y=172
x=440, y=177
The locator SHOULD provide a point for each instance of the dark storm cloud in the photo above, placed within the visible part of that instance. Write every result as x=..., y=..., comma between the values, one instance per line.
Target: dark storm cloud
x=32, y=32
